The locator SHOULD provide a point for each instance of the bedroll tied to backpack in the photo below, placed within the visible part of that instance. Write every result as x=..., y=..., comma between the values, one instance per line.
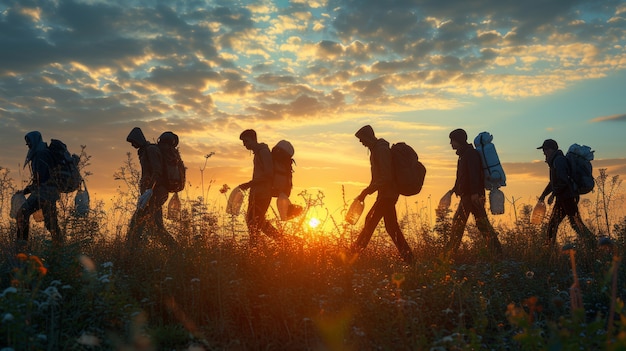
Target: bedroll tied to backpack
x=409, y=172
x=494, y=174
x=282, y=158
x=174, y=170
x=64, y=172
x=581, y=170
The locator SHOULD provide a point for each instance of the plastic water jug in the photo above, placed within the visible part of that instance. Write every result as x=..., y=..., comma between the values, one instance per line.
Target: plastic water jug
x=38, y=215
x=354, y=212
x=283, y=203
x=173, y=208
x=143, y=199
x=538, y=212
x=496, y=201
x=445, y=201
x=235, y=199
x=81, y=203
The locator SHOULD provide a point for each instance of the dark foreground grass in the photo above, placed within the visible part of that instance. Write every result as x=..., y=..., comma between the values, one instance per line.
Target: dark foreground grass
x=308, y=294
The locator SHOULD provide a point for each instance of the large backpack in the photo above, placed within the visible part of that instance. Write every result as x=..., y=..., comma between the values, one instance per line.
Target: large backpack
x=408, y=171
x=174, y=171
x=494, y=174
x=282, y=158
x=581, y=170
x=64, y=172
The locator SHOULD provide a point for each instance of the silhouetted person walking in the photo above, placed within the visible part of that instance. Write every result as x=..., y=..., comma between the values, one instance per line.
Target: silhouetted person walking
x=470, y=186
x=149, y=219
x=562, y=189
x=260, y=188
x=42, y=189
x=382, y=181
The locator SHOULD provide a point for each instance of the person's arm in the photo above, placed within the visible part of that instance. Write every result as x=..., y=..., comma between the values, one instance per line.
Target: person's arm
x=156, y=165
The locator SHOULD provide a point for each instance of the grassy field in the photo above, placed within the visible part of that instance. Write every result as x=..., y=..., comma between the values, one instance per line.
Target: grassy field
x=306, y=293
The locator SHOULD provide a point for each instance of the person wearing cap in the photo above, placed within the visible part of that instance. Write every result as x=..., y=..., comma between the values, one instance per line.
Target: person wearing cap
x=260, y=188
x=43, y=192
x=382, y=181
x=469, y=186
x=149, y=219
x=561, y=189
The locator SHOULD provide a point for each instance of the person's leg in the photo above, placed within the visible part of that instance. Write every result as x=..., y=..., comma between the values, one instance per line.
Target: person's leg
x=485, y=228
x=252, y=219
x=570, y=206
x=136, y=228
x=51, y=221
x=30, y=206
x=371, y=221
x=263, y=204
x=393, y=229
x=556, y=217
x=159, y=198
x=459, y=220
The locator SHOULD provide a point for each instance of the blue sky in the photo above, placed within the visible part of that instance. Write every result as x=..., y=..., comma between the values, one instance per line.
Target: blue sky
x=314, y=72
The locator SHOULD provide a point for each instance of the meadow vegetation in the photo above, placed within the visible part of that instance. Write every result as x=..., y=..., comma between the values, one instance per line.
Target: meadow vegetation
x=307, y=293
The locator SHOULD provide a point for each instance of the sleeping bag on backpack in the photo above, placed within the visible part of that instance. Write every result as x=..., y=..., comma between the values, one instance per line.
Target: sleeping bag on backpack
x=494, y=174
x=282, y=158
x=581, y=170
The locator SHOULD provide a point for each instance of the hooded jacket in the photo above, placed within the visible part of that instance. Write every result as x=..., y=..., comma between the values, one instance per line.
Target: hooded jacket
x=381, y=167
x=149, y=159
x=470, y=178
x=560, y=183
x=41, y=161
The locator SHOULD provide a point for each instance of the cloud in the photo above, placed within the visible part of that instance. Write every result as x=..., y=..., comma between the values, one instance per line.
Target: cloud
x=612, y=118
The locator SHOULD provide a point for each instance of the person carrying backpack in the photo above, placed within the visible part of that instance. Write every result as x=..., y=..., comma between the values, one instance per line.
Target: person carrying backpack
x=383, y=182
x=43, y=192
x=469, y=185
x=563, y=190
x=260, y=188
x=150, y=217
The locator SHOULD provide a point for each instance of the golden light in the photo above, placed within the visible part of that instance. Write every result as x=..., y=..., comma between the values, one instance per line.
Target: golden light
x=314, y=222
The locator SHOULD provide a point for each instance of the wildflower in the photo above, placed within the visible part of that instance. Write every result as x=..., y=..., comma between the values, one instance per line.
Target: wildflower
x=21, y=256
x=89, y=340
x=7, y=318
x=42, y=270
x=224, y=189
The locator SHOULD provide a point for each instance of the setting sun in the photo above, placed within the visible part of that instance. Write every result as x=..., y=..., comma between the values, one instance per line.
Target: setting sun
x=314, y=222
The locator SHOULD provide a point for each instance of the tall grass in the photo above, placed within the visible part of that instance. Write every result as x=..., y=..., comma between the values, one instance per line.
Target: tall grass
x=307, y=292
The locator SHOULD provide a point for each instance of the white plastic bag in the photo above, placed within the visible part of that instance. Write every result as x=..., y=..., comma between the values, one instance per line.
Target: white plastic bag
x=355, y=211
x=283, y=203
x=38, y=215
x=17, y=200
x=143, y=199
x=173, y=208
x=235, y=199
x=445, y=201
x=538, y=213
x=496, y=201
x=81, y=201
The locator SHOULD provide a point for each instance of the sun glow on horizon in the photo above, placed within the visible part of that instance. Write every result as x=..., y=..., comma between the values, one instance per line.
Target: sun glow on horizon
x=314, y=222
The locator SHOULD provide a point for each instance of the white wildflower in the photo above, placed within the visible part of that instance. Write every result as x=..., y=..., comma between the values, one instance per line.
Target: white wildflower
x=7, y=318
x=89, y=340
x=9, y=290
